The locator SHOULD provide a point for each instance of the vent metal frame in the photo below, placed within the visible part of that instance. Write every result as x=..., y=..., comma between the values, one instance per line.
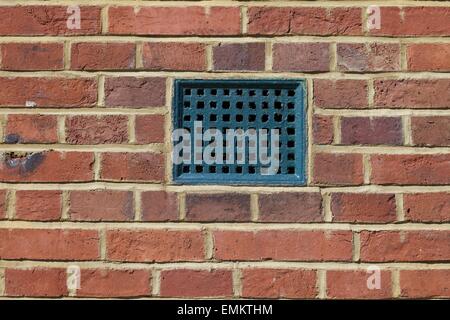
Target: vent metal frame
x=300, y=124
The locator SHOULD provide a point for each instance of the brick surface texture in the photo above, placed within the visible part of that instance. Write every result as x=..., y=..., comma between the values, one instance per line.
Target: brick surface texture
x=85, y=166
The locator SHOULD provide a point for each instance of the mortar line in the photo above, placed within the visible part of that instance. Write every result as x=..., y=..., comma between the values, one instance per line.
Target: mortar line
x=228, y=265
x=138, y=214
x=399, y=204
x=156, y=282
x=254, y=207
x=65, y=205
x=11, y=204
x=237, y=283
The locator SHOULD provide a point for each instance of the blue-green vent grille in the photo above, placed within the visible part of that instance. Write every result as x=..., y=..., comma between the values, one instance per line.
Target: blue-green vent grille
x=251, y=106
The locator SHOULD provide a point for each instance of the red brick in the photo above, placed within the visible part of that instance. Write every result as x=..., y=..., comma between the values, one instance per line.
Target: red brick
x=97, y=129
x=36, y=282
x=371, y=130
x=157, y=245
x=218, y=207
x=431, y=131
x=423, y=93
x=421, y=169
x=48, y=166
x=304, y=57
x=174, y=56
x=31, y=128
x=279, y=283
x=59, y=92
x=323, y=131
x=239, y=56
x=353, y=284
x=410, y=21
x=368, y=57
x=3, y=205
x=304, y=21
x=290, y=207
x=38, y=205
x=32, y=56
x=340, y=93
x=106, y=283
x=149, y=129
x=363, y=207
x=49, y=244
x=283, y=245
x=405, y=246
x=103, y=56
x=141, y=166
x=159, y=206
x=47, y=20
x=101, y=205
x=196, y=283
x=187, y=20
x=427, y=207
x=425, y=283
x=341, y=169
x=135, y=92
x=428, y=57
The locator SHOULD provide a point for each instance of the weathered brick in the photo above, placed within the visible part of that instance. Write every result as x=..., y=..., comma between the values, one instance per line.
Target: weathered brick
x=410, y=21
x=196, y=283
x=304, y=57
x=431, y=131
x=425, y=283
x=304, y=21
x=103, y=56
x=290, y=207
x=239, y=56
x=218, y=207
x=49, y=244
x=101, y=205
x=114, y=283
x=31, y=128
x=59, y=92
x=368, y=57
x=132, y=166
x=428, y=57
x=174, y=56
x=405, y=246
x=154, y=245
x=371, y=130
x=340, y=93
x=421, y=169
x=323, y=131
x=341, y=169
x=97, y=129
x=423, y=93
x=48, y=20
x=35, y=282
x=48, y=166
x=279, y=283
x=283, y=245
x=41, y=205
x=149, y=129
x=135, y=92
x=427, y=207
x=188, y=20
x=159, y=206
x=32, y=56
x=354, y=284
x=363, y=207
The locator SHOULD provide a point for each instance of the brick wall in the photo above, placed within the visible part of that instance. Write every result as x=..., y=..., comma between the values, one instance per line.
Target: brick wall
x=86, y=175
